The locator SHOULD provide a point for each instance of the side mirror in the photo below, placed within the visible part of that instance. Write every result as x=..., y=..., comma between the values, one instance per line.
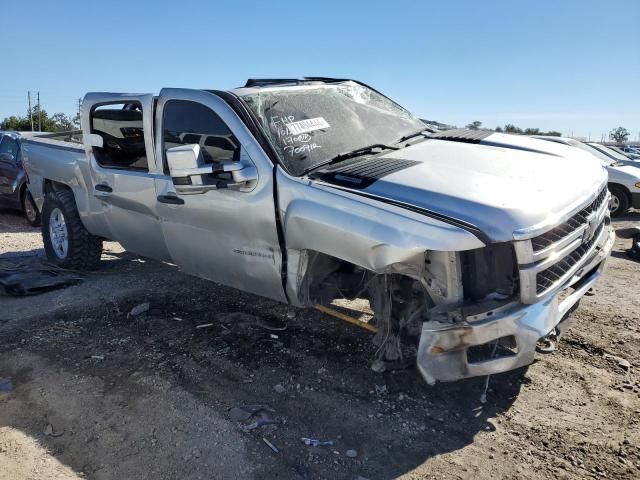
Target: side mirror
x=239, y=172
x=185, y=161
x=93, y=140
x=7, y=157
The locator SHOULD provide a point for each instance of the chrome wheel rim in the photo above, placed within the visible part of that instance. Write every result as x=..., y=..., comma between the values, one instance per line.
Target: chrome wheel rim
x=58, y=233
x=29, y=208
x=614, y=204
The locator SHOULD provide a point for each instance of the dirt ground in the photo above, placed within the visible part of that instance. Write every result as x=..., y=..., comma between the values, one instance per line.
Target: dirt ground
x=89, y=391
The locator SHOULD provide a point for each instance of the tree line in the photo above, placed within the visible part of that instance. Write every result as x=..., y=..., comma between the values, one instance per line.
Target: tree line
x=42, y=121
x=618, y=134
x=509, y=128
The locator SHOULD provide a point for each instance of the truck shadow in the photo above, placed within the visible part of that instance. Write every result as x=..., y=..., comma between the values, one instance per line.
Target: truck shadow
x=189, y=342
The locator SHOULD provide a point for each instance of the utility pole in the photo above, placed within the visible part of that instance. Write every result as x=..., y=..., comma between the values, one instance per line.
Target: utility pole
x=79, y=106
x=30, y=112
x=39, y=114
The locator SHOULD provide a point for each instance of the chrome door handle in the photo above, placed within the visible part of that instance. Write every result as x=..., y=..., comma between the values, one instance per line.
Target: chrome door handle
x=171, y=199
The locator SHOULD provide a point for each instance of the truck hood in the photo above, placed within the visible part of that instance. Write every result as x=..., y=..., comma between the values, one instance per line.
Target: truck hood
x=500, y=184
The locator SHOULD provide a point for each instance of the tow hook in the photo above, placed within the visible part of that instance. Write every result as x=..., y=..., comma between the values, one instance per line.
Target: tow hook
x=548, y=343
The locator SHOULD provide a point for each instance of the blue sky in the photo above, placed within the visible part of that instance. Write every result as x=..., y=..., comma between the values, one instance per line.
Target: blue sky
x=572, y=66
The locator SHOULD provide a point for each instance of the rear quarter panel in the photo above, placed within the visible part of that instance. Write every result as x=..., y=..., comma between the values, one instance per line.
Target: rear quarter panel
x=65, y=163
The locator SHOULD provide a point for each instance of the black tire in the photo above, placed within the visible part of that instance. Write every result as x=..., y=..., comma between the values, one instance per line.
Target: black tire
x=83, y=249
x=620, y=199
x=29, y=208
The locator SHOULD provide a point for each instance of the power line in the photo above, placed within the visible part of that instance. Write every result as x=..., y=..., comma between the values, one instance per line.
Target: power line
x=30, y=114
x=39, y=114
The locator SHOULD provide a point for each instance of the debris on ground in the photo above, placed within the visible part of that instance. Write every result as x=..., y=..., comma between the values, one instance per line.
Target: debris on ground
x=204, y=325
x=140, y=309
x=6, y=385
x=259, y=414
x=18, y=283
x=260, y=422
x=381, y=390
x=634, y=234
x=622, y=363
x=271, y=445
x=351, y=453
x=313, y=442
x=381, y=366
x=279, y=388
x=50, y=432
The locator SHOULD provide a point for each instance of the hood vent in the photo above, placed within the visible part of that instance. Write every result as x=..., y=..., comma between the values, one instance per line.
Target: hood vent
x=361, y=173
x=462, y=135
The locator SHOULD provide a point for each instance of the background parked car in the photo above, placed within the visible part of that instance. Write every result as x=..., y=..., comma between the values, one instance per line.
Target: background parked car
x=631, y=150
x=614, y=154
x=14, y=193
x=627, y=153
x=624, y=179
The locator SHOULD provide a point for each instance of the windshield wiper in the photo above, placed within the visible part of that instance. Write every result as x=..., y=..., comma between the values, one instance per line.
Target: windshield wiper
x=415, y=134
x=353, y=153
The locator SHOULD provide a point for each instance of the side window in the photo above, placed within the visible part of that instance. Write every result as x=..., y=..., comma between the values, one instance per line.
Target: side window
x=187, y=123
x=120, y=126
x=9, y=145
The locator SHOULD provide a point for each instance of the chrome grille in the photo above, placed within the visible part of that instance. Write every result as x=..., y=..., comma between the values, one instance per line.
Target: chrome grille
x=558, y=233
x=547, y=278
x=550, y=260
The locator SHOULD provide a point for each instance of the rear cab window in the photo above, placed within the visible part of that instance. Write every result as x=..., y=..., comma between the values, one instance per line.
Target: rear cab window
x=121, y=128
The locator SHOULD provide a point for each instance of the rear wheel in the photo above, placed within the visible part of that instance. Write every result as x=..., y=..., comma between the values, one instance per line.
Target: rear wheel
x=66, y=242
x=30, y=210
x=619, y=201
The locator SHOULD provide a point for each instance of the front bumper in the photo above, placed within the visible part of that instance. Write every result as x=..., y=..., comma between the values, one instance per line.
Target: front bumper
x=443, y=350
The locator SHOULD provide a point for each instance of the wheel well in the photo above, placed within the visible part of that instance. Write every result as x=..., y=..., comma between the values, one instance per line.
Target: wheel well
x=53, y=186
x=23, y=188
x=621, y=187
x=327, y=277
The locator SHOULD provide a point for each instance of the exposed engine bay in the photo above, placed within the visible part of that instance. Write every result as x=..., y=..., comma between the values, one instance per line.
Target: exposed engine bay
x=447, y=288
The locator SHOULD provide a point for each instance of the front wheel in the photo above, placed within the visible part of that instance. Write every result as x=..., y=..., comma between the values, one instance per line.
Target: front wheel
x=66, y=242
x=619, y=201
x=30, y=210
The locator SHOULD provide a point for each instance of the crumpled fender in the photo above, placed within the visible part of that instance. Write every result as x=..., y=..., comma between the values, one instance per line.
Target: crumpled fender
x=362, y=231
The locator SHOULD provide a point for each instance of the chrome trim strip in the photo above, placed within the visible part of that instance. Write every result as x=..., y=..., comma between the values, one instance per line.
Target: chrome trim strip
x=524, y=251
x=555, y=257
x=560, y=244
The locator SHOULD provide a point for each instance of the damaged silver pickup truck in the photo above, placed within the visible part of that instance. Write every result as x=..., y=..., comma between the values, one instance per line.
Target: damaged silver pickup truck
x=472, y=247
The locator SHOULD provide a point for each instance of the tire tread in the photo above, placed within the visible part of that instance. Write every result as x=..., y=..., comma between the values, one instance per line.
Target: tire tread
x=85, y=249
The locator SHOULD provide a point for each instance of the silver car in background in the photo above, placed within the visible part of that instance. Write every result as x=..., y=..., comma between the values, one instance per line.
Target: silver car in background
x=624, y=175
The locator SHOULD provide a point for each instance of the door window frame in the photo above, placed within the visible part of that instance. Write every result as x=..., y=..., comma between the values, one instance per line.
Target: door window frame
x=161, y=139
x=250, y=149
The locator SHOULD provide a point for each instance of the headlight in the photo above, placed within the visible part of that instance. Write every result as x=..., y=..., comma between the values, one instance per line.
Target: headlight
x=638, y=185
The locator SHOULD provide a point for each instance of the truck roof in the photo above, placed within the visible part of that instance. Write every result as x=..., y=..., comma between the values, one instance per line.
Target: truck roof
x=254, y=85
